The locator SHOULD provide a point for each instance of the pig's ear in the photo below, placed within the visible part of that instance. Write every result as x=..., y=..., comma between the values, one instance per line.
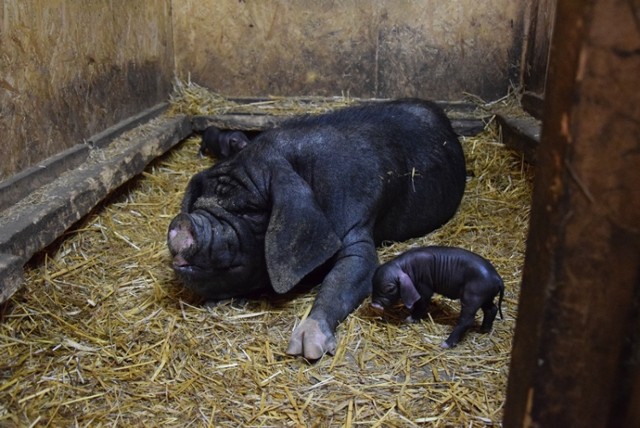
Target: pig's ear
x=299, y=237
x=408, y=292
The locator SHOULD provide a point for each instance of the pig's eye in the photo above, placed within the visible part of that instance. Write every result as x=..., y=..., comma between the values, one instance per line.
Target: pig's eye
x=392, y=286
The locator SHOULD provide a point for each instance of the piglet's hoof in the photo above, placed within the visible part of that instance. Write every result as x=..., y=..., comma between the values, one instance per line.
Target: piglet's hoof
x=311, y=341
x=445, y=345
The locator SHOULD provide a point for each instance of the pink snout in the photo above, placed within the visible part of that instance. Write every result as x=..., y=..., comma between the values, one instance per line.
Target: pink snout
x=181, y=236
x=377, y=306
x=179, y=261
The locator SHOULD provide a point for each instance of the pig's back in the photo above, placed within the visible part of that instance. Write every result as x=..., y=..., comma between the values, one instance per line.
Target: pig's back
x=398, y=165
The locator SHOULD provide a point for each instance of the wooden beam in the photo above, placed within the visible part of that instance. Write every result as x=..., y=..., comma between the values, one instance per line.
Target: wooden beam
x=533, y=104
x=11, y=275
x=576, y=356
x=240, y=122
x=22, y=184
x=102, y=139
x=30, y=226
x=521, y=134
x=466, y=118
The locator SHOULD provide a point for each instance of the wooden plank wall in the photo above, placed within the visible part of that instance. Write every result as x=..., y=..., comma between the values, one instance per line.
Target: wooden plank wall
x=576, y=356
x=386, y=48
x=71, y=69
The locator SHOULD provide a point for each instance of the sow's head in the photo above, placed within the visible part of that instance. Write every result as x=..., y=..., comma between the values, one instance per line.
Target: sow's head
x=207, y=257
x=217, y=250
x=240, y=232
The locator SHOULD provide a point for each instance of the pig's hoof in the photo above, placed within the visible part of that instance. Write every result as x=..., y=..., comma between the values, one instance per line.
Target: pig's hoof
x=445, y=345
x=311, y=341
x=411, y=320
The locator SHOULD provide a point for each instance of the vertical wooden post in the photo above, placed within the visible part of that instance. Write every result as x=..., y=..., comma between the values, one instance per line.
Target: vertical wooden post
x=535, y=62
x=540, y=19
x=576, y=356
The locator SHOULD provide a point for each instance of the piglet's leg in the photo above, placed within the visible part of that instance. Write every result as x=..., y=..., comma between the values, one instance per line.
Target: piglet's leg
x=466, y=319
x=490, y=310
x=420, y=308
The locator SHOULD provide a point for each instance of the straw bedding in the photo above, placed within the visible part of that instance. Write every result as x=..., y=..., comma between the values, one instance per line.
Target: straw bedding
x=103, y=335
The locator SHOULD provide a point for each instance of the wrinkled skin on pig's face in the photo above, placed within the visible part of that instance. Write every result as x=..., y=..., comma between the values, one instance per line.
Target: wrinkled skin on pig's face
x=316, y=192
x=217, y=253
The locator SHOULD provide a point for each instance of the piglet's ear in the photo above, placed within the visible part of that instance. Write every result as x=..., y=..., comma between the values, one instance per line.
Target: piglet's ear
x=408, y=292
x=299, y=237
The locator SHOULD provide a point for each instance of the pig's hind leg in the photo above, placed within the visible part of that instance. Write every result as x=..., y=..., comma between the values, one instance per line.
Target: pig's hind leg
x=470, y=303
x=490, y=311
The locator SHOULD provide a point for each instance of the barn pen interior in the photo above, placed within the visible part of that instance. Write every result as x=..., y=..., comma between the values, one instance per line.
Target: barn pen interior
x=102, y=110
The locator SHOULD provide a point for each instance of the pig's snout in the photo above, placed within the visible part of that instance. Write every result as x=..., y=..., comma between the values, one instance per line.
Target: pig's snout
x=179, y=262
x=181, y=237
x=180, y=241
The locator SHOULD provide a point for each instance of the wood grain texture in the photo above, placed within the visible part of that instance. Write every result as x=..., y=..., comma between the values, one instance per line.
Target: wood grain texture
x=576, y=356
x=379, y=49
x=69, y=70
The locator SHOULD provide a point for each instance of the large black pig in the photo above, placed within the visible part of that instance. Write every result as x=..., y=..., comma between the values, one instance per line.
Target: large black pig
x=317, y=194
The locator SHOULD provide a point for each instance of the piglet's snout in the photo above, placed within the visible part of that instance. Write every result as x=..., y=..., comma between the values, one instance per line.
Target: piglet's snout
x=377, y=306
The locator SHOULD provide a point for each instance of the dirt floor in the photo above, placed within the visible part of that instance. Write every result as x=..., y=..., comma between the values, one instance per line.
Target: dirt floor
x=103, y=335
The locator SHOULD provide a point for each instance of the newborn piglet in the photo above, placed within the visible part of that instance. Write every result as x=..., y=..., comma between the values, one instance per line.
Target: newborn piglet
x=222, y=144
x=455, y=273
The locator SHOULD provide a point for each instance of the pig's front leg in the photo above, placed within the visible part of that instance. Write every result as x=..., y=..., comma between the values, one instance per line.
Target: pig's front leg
x=420, y=308
x=341, y=291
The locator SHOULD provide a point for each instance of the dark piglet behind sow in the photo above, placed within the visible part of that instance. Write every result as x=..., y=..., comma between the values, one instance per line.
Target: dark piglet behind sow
x=318, y=191
x=415, y=275
x=222, y=144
